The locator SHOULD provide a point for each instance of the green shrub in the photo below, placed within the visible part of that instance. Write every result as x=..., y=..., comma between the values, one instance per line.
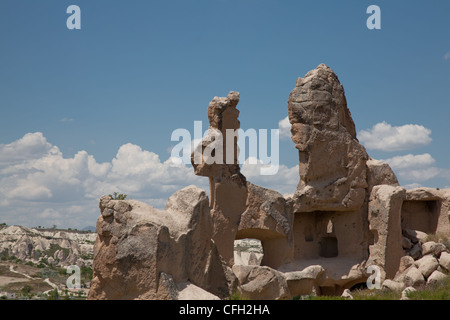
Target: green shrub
x=236, y=295
x=117, y=196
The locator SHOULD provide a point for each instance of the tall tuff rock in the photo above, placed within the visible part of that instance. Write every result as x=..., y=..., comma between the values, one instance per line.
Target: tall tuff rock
x=332, y=163
x=141, y=252
x=216, y=157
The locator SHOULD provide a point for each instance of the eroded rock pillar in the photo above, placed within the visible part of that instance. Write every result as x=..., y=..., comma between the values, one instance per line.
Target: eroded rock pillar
x=216, y=157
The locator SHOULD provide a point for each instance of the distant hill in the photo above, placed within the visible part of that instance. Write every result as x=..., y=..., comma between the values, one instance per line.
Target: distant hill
x=46, y=247
x=89, y=229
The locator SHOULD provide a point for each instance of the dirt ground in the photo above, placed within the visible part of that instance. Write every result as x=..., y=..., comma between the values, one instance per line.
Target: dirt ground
x=14, y=282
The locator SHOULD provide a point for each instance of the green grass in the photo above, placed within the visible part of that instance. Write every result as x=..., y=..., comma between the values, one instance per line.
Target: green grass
x=439, y=291
x=323, y=298
x=236, y=295
x=383, y=294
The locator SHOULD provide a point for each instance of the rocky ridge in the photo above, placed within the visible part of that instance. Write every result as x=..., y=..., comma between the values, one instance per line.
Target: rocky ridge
x=50, y=247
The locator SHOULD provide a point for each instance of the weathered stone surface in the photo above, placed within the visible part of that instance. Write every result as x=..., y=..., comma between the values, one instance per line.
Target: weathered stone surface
x=427, y=265
x=407, y=292
x=268, y=217
x=332, y=163
x=385, y=224
x=416, y=251
x=248, y=252
x=189, y=291
x=428, y=247
x=393, y=285
x=347, y=294
x=348, y=212
x=303, y=282
x=415, y=235
x=406, y=243
x=379, y=172
x=444, y=260
x=434, y=248
x=426, y=209
x=167, y=289
x=413, y=277
x=436, y=277
x=217, y=158
x=138, y=243
x=405, y=263
x=261, y=283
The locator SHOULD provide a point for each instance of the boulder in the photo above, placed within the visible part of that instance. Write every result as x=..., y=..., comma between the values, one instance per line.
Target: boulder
x=347, y=294
x=413, y=277
x=426, y=265
x=434, y=248
x=438, y=249
x=189, y=291
x=406, y=243
x=428, y=247
x=393, y=285
x=416, y=251
x=406, y=292
x=261, y=283
x=415, y=235
x=436, y=277
x=444, y=260
x=304, y=282
x=405, y=263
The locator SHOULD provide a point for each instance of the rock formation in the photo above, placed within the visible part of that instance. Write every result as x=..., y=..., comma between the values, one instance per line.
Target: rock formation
x=225, y=179
x=142, y=252
x=332, y=163
x=51, y=247
x=348, y=213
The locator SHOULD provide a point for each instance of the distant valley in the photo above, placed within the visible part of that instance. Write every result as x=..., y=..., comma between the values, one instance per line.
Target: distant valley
x=34, y=261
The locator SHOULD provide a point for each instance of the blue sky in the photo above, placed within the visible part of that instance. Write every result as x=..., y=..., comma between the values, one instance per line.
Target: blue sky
x=91, y=111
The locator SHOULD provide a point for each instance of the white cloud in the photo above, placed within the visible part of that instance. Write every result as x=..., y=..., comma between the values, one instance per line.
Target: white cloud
x=35, y=177
x=285, y=128
x=447, y=56
x=30, y=192
x=284, y=181
x=50, y=213
x=411, y=161
x=30, y=146
x=413, y=185
x=38, y=186
x=385, y=137
x=415, y=167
